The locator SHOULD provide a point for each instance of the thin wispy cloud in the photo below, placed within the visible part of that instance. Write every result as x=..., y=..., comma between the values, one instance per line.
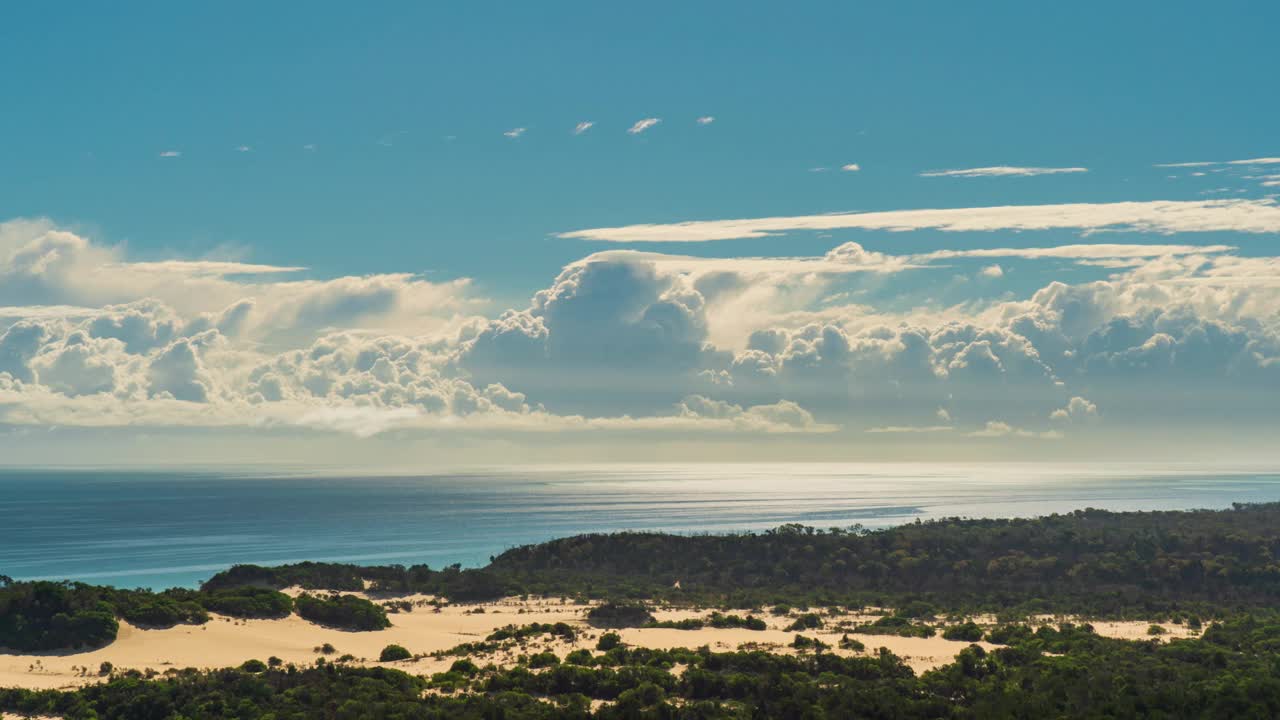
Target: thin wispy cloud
x=1156, y=216
x=309, y=147
x=514, y=132
x=244, y=148
x=582, y=127
x=1209, y=163
x=818, y=169
x=642, y=125
x=851, y=167
x=706, y=119
x=171, y=154
x=1003, y=171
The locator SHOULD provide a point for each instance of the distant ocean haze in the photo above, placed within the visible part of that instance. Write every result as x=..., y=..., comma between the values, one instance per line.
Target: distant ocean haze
x=175, y=528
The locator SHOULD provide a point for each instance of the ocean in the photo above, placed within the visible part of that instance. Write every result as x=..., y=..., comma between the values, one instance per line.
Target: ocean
x=156, y=529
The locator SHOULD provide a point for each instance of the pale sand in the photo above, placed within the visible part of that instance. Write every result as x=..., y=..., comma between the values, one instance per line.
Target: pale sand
x=225, y=642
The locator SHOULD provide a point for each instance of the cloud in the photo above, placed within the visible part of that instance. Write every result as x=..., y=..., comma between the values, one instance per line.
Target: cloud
x=851, y=167
x=1157, y=216
x=902, y=429
x=706, y=120
x=999, y=429
x=641, y=342
x=642, y=125
x=1003, y=171
x=1248, y=161
x=243, y=148
x=1077, y=409
x=171, y=153
x=514, y=132
x=582, y=127
x=993, y=271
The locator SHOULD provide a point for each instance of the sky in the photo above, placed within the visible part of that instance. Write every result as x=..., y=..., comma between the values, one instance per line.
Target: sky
x=483, y=232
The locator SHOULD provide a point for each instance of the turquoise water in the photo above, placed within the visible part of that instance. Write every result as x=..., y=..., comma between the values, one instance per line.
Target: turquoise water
x=161, y=529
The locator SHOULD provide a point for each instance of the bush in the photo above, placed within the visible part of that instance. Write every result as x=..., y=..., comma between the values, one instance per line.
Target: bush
x=581, y=656
x=1156, y=630
x=544, y=659
x=608, y=641
x=968, y=632
x=848, y=643
x=807, y=621
x=392, y=653
x=342, y=611
x=616, y=615
x=254, y=666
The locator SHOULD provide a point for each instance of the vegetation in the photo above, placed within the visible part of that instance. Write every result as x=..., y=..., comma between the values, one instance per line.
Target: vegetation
x=1065, y=671
x=968, y=632
x=1089, y=562
x=619, y=615
x=347, y=612
x=392, y=653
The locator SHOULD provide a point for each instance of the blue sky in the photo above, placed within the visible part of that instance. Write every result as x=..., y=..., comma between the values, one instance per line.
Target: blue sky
x=359, y=143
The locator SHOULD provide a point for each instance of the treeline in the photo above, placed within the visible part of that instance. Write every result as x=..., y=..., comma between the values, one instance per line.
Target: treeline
x=38, y=616
x=1048, y=672
x=1089, y=561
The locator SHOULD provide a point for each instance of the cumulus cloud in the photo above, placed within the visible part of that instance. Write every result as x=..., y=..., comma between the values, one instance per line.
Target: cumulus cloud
x=992, y=271
x=1157, y=216
x=642, y=125
x=1077, y=409
x=623, y=341
x=1003, y=171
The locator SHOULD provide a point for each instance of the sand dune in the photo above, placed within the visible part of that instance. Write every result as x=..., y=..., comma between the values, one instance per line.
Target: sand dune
x=227, y=642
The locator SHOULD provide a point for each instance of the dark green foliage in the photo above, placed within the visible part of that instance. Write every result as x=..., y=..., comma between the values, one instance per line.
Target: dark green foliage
x=895, y=625
x=968, y=632
x=807, y=621
x=750, y=622
x=802, y=642
x=544, y=659
x=523, y=632
x=38, y=616
x=392, y=653
x=609, y=641
x=254, y=666
x=848, y=643
x=342, y=611
x=243, y=602
x=619, y=615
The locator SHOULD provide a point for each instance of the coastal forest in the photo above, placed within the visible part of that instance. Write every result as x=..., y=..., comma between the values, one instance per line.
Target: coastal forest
x=1212, y=569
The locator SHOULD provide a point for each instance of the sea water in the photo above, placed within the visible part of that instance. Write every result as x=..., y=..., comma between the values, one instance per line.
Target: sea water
x=153, y=528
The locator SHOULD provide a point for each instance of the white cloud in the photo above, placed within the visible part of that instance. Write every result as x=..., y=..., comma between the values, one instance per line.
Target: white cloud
x=993, y=271
x=642, y=125
x=1157, y=216
x=171, y=153
x=706, y=120
x=1077, y=409
x=1003, y=171
x=1248, y=161
x=515, y=132
x=582, y=127
x=243, y=148
x=851, y=167
x=904, y=429
x=1000, y=429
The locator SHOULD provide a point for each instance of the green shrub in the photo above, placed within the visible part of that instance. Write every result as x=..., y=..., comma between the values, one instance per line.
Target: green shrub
x=342, y=611
x=392, y=653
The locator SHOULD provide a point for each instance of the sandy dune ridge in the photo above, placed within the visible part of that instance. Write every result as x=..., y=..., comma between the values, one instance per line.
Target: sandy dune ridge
x=227, y=642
